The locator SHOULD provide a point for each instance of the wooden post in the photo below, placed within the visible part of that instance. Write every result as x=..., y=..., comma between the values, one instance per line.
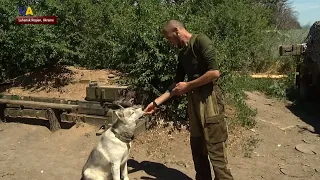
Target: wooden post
x=2, y=107
x=53, y=116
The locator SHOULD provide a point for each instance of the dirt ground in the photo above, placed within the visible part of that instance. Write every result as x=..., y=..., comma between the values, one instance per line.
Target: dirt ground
x=60, y=82
x=28, y=150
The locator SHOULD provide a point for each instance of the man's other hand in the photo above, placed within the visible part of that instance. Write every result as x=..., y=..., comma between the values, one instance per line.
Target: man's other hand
x=181, y=88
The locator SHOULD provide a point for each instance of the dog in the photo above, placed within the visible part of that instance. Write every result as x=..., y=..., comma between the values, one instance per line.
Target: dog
x=108, y=160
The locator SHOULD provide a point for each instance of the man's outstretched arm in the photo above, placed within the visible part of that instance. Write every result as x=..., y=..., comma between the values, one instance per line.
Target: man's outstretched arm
x=165, y=96
x=180, y=75
x=160, y=100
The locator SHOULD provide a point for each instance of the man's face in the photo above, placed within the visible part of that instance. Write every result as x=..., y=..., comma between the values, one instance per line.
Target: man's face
x=173, y=37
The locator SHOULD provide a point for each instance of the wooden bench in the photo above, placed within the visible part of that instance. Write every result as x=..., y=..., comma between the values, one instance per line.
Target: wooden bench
x=50, y=111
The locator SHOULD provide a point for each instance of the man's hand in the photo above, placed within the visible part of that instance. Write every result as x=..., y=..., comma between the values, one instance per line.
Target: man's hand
x=160, y=100
x=150, y=109
x=181, y=88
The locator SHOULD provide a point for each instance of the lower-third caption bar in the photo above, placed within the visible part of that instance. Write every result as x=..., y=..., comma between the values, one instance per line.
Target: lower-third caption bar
x=36, y=20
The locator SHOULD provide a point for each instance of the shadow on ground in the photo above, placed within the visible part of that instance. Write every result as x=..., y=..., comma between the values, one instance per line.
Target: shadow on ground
x=52, y=77
x=37, y=122
x=307, y=112
x=157, y=170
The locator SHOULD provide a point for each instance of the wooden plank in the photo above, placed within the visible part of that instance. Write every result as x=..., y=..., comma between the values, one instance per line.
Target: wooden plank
x=105, y=93
x=47, y=100
x=113, y=86
x=92, y=111
x=271, y=76
x=5, y=96
x=12, y=106
x=33, y=104
x=53, y=100
x=89, y=104
x=13, y=112
x=84, y=107
x=93, y=108
x=91, y=119
x=37, y=99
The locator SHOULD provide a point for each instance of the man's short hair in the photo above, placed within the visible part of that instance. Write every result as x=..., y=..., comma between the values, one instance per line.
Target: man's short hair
x=173, y=24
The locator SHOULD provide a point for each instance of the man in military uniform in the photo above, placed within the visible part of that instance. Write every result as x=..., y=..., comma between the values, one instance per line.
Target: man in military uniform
x=208, y=129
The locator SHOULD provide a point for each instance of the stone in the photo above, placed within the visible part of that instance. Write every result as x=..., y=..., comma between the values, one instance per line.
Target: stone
x=111, y=76
x=297, y=170
x=306, y=148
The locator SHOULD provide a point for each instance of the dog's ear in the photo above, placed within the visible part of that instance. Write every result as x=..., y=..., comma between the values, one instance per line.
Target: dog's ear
x=119, y=114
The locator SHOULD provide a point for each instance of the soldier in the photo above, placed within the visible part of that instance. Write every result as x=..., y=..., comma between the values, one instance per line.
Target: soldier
x=208, y=129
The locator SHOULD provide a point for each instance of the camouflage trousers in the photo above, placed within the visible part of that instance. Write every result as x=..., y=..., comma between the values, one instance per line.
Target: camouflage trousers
x=209, y=133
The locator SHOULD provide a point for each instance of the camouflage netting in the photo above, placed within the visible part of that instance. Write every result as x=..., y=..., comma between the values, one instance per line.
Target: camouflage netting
x=313, y=43
x=312, y=55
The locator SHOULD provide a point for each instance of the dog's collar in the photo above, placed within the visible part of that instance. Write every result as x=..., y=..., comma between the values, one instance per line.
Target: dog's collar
x=122, y=138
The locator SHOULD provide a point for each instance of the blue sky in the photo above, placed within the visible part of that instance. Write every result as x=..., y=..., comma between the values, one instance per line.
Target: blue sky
x=308, y=10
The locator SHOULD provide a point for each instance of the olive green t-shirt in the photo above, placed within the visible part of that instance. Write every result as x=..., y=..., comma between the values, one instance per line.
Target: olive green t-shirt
x=196, y=58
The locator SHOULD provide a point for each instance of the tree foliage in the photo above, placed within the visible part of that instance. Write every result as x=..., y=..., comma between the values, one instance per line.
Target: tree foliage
x=283, y=15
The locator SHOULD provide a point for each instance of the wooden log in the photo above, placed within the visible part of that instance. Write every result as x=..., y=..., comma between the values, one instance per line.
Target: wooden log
x=91, y=119
x=38, y=99
x=271, y=76
x=43, y=105
x=2, y=117
x=55, y=101
x=18, y=112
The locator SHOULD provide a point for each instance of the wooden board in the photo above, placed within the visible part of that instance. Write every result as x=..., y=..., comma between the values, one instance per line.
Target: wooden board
x=55, y=100
x=271, y=76
x=13, y=112
x=41, y=105
x=73, y=117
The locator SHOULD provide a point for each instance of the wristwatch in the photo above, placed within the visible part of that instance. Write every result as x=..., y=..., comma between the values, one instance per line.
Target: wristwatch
x=155, y=104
